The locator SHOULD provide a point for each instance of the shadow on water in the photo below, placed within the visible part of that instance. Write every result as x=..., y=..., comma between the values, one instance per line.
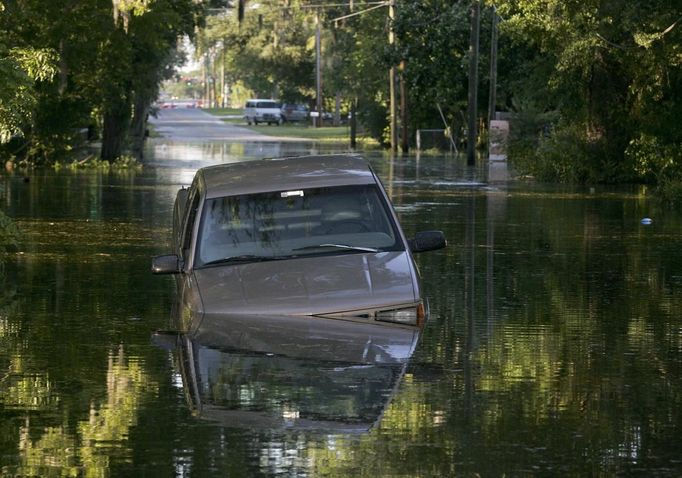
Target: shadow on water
x=554, y=345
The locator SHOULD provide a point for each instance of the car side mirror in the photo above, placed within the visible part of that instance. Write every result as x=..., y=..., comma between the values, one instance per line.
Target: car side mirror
x=168, y=264
x=427, y=241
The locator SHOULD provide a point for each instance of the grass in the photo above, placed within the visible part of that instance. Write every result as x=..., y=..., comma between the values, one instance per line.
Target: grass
x=325, y=134
x=303, y=131
x=224, y=111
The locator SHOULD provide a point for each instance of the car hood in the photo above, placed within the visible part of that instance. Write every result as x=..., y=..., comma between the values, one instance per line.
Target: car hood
x=309, y=286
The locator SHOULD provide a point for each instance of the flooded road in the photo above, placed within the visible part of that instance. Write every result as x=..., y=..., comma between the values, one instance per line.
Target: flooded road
x=554, y=346
x=193, y=124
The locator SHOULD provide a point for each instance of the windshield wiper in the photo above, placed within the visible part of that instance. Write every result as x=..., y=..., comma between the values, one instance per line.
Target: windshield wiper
x=339, y=246
x=245, y=258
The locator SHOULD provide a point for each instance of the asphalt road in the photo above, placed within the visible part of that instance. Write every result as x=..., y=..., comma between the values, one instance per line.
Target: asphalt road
x=194, y=124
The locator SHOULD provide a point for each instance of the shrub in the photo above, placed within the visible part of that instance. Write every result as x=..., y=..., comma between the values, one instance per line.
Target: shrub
x=653, y=161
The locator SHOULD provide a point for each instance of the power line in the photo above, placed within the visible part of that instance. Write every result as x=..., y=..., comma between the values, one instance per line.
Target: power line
x=330, y=5
x=377, y=5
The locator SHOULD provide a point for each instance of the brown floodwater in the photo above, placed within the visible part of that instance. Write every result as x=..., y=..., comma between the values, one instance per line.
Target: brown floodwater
x=554, y=346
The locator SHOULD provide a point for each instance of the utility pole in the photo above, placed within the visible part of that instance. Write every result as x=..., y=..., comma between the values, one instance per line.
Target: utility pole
x=207, y=91
x=212, y=80
x=223, y=83
x=318, y=73
x=391, y=82
x=492, y=97
x=472, y=128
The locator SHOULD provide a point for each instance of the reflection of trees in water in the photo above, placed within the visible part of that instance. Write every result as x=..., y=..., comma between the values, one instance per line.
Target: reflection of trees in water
x=9, y=239
x=47, y=377
x=90, y=447
x=8, y=298
x=9, y=235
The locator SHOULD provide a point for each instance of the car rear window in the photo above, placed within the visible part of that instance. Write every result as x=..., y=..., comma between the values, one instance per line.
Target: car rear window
x=297, y=223
x=267, y=104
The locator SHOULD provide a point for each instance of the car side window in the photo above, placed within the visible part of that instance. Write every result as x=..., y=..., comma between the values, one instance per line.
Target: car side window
x=190, y=217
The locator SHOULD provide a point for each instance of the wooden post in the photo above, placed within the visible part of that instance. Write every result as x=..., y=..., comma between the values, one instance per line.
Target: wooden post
x=404, y=140
x=353, y=123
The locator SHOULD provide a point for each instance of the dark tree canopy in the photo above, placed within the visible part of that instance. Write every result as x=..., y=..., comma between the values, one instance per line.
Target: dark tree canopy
x=76, y=65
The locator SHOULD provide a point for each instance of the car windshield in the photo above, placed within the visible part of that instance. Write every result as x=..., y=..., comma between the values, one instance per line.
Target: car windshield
x=267, y=104
x=295, y=223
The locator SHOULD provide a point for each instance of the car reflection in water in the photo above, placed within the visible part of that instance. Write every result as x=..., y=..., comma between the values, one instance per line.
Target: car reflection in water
x=297, y=374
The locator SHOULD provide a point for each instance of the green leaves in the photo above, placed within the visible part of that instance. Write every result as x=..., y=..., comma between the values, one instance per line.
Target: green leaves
x=19, y=69
x=39, y=64
x=124, y=9
x=611, y=70
x=64, y=65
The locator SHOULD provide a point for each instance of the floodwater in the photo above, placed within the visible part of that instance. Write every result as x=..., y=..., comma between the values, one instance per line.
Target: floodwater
x=554, y=346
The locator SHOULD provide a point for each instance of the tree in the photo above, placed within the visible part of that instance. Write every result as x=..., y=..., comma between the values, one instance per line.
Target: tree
x=433, y=38
x=611, y=71
x=269, y=50
x=98, y=63
x=137, y=58
x=20, y=69
x=21, y=66
x=360, y=62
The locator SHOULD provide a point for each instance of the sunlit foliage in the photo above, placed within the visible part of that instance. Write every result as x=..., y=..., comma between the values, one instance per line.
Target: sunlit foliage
x=88, y=449
x=20, y=68
x=611, y=72
x=75, y=70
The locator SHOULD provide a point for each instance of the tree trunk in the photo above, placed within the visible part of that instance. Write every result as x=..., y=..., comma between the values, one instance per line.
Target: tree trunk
x=404, y=140
x=114, y=132
x=138, y=127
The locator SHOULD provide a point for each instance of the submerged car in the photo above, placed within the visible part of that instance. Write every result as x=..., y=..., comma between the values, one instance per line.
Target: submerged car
x=265, y=249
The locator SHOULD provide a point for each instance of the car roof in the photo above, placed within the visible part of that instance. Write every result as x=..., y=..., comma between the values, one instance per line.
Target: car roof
x=283, y=174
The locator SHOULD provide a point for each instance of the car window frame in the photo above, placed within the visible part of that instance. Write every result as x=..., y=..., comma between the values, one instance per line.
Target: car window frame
x=188, y=223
